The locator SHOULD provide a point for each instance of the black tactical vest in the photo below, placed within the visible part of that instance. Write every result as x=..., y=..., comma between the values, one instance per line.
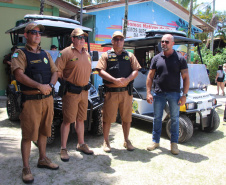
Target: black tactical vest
x=118, y=65
x=38, y=68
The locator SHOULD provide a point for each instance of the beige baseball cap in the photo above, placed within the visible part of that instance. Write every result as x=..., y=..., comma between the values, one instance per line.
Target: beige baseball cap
x=117, y=33
x=33, y=25
x=77, y=32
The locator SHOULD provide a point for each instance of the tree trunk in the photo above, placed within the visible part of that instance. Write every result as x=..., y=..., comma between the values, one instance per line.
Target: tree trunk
x=42, y=2
x=125, y=18
x=189, y=31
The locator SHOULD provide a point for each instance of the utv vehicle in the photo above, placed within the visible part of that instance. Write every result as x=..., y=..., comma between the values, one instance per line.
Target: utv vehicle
x=61, y=28
x=199, y=109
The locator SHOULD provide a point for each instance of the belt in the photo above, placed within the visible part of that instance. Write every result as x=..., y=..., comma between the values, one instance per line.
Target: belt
x=86, y=87
x=33, y=92
x=116, y=89
x=35, y=97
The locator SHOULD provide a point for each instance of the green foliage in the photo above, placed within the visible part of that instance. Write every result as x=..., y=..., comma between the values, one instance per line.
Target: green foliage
x=211, y=61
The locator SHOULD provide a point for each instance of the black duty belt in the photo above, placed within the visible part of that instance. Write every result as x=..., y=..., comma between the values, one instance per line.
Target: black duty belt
x=116, y=89
x=35, y=97
x=77, y=89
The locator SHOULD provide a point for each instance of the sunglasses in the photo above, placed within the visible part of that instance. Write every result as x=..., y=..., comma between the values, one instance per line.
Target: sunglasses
x=79, y=37
x=117, y=39
x=34, y=32
x=166, y=41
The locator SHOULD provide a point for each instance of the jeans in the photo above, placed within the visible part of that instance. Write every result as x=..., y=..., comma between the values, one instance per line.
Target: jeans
x=160, y=100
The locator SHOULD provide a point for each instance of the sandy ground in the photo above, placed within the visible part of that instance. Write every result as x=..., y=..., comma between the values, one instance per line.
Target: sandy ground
x=202, y=159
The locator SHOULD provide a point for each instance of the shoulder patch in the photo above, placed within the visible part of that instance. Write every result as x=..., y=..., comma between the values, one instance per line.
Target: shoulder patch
x=59, y=55
x=15, y=55
x=45, y=60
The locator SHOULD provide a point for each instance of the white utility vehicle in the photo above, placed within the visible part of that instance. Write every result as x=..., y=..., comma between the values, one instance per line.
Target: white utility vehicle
x=199, y=109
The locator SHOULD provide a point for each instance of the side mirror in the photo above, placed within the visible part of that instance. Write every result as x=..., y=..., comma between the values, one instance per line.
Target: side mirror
x=95, y=56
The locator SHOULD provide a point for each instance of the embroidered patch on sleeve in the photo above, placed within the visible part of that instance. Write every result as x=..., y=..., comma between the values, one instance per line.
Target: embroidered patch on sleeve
x=15, y=55
x=59, y=55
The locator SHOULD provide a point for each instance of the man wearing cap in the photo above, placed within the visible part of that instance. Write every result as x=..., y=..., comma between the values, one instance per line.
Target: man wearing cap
x=118, y=68
x=36, y=73
x=74, y=68
x=53, y=47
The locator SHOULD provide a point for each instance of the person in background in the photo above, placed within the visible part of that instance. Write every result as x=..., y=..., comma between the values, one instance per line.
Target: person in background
x=7, y=61
x=118, y=68
x=224, y=70
x=36, y=72
x=53, y=47
x=165, y=71
x=207, y=70
x=220, y=79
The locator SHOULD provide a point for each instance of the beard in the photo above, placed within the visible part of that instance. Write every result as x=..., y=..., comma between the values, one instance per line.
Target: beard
x=165, y=48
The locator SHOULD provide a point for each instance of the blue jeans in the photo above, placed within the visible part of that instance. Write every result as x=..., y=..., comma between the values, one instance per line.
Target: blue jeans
x=160, y=100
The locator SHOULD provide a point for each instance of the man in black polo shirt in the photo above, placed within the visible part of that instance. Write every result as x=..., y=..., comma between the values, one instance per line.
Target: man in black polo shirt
x=165, y=71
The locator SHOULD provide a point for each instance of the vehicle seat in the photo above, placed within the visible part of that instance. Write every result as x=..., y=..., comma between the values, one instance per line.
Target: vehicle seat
x=140, y=85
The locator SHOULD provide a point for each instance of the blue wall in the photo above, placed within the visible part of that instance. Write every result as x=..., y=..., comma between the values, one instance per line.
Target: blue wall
x=110, y=20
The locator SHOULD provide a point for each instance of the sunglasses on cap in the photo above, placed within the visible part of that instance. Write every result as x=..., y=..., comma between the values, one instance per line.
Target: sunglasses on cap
x=34, y=32
x=166, y=41
x=79, y=37
x=117, y=39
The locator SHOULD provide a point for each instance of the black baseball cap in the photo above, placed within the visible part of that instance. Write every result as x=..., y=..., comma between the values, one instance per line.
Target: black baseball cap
x=53, y=46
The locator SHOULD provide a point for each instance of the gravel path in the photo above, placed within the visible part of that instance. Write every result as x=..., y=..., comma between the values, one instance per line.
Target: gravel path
x=202, y=160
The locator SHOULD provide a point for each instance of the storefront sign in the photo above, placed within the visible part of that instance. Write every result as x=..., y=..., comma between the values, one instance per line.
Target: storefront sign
x=137, y=29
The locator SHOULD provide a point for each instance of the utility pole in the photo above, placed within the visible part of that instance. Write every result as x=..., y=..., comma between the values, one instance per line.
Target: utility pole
x=212, y=41
x=125, y=18
x=189, y=31
x=81, y=12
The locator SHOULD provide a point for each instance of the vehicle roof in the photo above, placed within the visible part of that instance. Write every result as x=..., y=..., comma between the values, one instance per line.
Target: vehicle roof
x=54, y=26
x=153, y=40
x=153, y=32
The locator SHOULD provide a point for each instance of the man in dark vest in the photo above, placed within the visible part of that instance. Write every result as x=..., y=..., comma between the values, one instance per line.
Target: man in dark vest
x=118, y=68
x=36, y=73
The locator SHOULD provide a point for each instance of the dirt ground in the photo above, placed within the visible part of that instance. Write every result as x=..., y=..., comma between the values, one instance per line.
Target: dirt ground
x=202, y=160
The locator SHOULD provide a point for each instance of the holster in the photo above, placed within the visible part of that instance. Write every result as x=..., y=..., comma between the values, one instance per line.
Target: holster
x=77, y=89
x=63, y=87
x=101, y=90
x=130, y=88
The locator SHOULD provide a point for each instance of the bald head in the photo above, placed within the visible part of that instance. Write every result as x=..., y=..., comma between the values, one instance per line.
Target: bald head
x=169, y=36
x=167, y=43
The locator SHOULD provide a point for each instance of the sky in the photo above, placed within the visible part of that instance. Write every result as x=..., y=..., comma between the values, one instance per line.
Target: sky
x=220, y=5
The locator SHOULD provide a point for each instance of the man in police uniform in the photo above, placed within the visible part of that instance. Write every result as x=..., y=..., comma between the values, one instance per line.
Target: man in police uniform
x=118, y=68
x=74, y=67
x=36, y=73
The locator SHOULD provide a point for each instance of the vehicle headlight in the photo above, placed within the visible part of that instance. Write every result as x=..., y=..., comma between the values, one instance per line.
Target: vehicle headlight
x=190, y=106
x=93, y=91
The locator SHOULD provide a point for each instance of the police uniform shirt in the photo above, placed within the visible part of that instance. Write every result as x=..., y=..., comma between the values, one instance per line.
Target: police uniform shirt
x=19, y=60
x=75, y=66
x=102, y=63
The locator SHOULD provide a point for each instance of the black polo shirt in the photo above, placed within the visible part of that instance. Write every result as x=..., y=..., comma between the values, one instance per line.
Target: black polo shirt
x=167, y=72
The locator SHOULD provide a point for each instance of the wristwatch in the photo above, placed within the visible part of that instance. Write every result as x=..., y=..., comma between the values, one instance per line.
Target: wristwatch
x=51, y=85
x=185, y=95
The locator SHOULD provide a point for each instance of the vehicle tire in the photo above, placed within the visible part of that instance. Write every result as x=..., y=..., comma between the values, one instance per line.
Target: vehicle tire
x=49, y=139
x=97, y=123
x=52, y=137
x=216, y=123
x=185, y=128
x=118, y=118
x=11, y=105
